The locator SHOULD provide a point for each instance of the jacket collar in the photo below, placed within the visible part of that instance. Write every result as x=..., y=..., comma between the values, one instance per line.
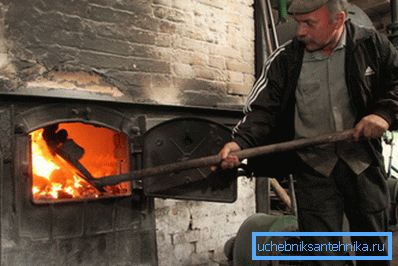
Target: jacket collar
x=355, y=34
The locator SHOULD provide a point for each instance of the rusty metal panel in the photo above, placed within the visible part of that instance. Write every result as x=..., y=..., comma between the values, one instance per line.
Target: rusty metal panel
x=184, y=139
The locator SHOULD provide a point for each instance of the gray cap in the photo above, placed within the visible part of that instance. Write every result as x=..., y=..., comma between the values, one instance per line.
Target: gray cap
x=305, y=6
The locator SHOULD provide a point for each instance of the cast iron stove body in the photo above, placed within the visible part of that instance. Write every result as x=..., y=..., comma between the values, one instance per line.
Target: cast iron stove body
x=44, y=225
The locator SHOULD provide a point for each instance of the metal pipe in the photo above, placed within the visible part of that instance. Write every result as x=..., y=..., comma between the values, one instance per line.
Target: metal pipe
x=282, y=10
x=261, y=49
x=271, y=15
x=263, y=7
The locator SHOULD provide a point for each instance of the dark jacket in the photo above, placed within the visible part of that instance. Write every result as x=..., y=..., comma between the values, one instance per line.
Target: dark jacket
x=269, y=113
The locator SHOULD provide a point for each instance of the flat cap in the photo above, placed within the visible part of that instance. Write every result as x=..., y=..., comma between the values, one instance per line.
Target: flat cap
x=305, y=6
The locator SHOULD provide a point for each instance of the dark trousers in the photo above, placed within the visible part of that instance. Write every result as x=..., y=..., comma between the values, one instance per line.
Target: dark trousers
x=322, y=201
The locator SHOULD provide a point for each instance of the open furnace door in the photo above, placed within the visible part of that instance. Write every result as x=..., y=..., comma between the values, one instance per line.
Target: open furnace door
x=183, y=139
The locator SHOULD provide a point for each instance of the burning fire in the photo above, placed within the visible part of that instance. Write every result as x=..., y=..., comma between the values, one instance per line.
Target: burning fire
x=105, y=153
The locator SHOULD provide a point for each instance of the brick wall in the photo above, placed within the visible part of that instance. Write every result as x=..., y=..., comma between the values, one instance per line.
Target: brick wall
x=194, y=233
x=185, y=52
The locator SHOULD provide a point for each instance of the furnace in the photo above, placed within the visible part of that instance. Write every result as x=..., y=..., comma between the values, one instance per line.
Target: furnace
x=53, y=151
x=98, y=151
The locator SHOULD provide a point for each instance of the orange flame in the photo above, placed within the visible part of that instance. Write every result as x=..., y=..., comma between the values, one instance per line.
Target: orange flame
x=106, y=153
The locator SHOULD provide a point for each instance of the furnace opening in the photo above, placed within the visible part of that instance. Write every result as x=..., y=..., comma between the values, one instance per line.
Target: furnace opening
x=67, y=157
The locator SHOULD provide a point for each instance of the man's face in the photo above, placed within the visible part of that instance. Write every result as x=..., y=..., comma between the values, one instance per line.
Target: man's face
x=316, y=29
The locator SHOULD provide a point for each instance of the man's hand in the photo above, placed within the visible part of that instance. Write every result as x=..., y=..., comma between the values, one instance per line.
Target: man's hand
x=228, y=161
x=371, y=126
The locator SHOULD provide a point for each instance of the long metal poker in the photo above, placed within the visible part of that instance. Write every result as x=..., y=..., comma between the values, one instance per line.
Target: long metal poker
x=216, y=159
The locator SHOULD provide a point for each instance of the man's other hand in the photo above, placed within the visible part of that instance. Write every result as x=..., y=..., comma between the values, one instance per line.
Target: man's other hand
x=371, y=126
x=228, y=161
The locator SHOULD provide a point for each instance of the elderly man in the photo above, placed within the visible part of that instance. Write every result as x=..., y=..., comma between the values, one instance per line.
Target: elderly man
x=332, y=76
